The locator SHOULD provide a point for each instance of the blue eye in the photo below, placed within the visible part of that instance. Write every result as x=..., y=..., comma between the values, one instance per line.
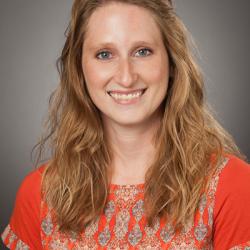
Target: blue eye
x=143, y=50
x=103, y=55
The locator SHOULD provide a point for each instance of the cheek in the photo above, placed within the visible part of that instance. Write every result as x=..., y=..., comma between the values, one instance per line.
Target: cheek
x=93, y=77
x=158, y=70
x=96, y=75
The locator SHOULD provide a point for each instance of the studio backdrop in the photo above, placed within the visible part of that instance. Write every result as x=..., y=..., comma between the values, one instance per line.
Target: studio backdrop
x=32, y=36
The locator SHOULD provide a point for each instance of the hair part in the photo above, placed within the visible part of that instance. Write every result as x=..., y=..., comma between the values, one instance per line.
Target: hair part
x=187, y=138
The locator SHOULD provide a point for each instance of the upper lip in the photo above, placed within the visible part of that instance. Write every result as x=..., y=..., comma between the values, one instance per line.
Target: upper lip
x=125, y=92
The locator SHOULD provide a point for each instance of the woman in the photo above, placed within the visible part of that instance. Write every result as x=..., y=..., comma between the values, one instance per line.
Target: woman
x=138, y=162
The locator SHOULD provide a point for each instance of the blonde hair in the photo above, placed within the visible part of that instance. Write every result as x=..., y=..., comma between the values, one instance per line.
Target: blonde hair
x=75, y=182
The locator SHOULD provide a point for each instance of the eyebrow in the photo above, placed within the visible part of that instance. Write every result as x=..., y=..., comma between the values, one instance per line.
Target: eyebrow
x=110, y=44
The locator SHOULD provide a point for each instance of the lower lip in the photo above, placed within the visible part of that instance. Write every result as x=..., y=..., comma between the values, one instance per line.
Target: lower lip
x=128, y=102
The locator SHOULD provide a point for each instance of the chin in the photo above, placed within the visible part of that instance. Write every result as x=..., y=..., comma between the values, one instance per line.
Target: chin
x=128, y=122
x=123, y=120
x=131, y=121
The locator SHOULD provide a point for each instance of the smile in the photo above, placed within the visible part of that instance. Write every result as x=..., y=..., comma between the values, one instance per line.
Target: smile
x=126, y=98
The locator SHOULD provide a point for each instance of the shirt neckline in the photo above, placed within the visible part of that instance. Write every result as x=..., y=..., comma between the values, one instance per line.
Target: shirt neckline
x=124, y=186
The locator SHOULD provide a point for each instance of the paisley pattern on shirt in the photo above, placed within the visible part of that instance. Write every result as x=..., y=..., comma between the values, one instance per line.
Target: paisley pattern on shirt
x=245, y=246
x=12, y=241
x=122, y=225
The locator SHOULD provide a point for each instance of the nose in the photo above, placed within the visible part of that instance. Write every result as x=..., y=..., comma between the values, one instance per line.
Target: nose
x=126, y=75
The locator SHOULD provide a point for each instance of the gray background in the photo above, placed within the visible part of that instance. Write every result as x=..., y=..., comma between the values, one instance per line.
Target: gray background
x=32, y=35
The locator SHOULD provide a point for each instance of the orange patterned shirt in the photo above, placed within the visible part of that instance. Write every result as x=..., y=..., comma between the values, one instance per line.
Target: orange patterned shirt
x=222, y=220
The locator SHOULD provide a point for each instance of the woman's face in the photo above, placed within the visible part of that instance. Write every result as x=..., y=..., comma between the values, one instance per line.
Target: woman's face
x=123, y=53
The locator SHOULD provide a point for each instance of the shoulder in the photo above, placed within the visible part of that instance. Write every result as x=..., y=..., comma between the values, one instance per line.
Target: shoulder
x=234, y=180
x=232, y=204
x=31, y=184
x=24, y=226
x=236, y=168
x=29, y=192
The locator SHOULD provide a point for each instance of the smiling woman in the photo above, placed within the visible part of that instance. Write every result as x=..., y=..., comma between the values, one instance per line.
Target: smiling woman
x=138, y=160
x=124, y=69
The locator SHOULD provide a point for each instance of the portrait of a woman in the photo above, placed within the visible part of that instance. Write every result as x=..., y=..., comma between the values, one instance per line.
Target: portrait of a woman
x=138, y=160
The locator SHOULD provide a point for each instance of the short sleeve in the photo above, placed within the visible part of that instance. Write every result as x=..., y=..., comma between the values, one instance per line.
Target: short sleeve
x=23, y=230
x=232, y=206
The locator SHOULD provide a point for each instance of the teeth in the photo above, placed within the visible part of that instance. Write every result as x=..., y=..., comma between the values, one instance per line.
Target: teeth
x=126, y=97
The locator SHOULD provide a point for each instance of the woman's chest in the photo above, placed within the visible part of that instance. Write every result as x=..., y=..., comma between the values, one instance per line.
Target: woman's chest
x=123, y=226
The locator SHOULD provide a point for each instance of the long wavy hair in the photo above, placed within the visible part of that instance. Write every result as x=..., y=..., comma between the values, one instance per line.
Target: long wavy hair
x=75, y=181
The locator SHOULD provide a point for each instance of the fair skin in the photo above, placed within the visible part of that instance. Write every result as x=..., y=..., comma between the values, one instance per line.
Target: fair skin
x=134, y=59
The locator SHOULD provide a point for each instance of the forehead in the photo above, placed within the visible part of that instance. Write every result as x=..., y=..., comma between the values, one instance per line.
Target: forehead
x=121, y=22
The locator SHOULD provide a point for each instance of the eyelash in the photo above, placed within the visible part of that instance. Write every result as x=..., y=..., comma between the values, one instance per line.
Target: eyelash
x=105, y=51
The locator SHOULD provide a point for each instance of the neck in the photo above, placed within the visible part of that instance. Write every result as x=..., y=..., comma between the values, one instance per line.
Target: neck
x=133, y=150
